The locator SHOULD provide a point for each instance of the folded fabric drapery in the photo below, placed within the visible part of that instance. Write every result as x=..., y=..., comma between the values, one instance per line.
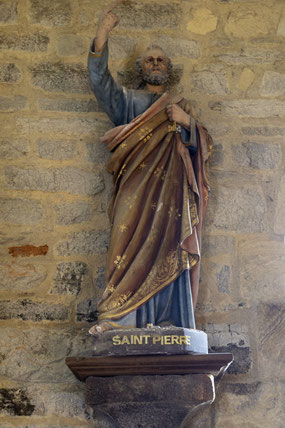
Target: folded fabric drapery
x=157, y=209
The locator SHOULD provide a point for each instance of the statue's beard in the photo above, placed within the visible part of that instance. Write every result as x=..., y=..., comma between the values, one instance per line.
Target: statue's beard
x=155, y=79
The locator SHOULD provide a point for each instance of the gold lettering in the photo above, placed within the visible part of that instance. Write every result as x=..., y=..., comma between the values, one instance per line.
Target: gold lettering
x=156, y=339
x=175, y=339
x=146, y=337
x=125, y=341
x=144, y=340
x=167, y=340
x=188, y=340
x=116, y=340
x=138, y=340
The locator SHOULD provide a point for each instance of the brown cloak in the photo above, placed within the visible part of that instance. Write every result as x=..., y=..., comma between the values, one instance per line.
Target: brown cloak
x=157, y=211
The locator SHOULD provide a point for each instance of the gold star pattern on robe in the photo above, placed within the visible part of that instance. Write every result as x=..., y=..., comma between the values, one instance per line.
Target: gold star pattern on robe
x=123, y=227
x=119, y=261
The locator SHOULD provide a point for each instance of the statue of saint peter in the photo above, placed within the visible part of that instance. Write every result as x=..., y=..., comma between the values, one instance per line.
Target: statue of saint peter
x=159, y=154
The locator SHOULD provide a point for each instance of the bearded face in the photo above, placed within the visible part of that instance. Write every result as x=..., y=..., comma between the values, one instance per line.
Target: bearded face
x=156, y=78
x=154, y=67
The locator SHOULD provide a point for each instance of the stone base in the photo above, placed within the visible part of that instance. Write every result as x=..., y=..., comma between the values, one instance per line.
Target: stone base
x=148, y=391
x=147, y=401
x=151, y=341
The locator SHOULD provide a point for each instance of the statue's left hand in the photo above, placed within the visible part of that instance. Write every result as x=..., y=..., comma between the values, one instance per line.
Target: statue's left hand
x=178, y=115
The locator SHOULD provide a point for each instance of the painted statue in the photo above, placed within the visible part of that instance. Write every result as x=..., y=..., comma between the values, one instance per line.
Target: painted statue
x=159, y=154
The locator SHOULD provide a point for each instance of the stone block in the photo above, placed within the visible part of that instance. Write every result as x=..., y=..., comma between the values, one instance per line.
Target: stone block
x=59, y=77
x=37, y=42
x=69, y=277
x=38, y=355
x=86, y=242
x=203, y=21
x=13, y=103
x=146, y=401
x=69, y=180
x=99, y=204
x=71, y=44
x=130, y=389
x=8, y=12
x=26, y=310
x=57, y=150
x=263, y=131
x=70, y=127
x=20, y=211
x=273, y=84
x=87, y=310
x=9, y=73
x=73, y=213
x=7, y=239
x=50, y=13
x=251, y=108
x=231, y=338
x=54, y=400
x=100, y=277
x=215, y=287
x=257, y=155
x=250, y=56
x=262, y=272
x=69, y=104
x=250, y=405
x=215, y=245
x=177, y=47
x=139, y=16
x=271, y=330
x=72, y=180
x=217, y=155
x=121, y=47
x=248, y=22
x=246, y=79
x=21, y=276
x=237, y=209
x=97, y=152
x=223, y=277
x=208, y=82
x=242, y=358
x=10, y=149
x=15, y=402
x=279, y=223
x=218, y=275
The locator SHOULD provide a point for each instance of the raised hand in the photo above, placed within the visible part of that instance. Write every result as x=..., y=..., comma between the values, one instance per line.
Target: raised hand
x=178, y=115
x=107, y=21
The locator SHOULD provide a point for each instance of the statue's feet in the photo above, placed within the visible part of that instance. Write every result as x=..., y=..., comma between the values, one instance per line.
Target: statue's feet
x=100, y=328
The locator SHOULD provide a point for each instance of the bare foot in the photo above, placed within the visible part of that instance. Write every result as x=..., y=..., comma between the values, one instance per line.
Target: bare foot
x=100, y=328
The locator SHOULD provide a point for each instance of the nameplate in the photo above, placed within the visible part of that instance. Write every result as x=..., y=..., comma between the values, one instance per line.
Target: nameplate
x=151, y=341
x=147, y=339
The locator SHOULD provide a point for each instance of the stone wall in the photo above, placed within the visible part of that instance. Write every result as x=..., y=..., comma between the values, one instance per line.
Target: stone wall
x=54, y=195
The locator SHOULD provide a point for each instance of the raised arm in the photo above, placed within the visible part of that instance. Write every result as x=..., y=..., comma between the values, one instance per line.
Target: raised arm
x=111, y=96
x=107, y=21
